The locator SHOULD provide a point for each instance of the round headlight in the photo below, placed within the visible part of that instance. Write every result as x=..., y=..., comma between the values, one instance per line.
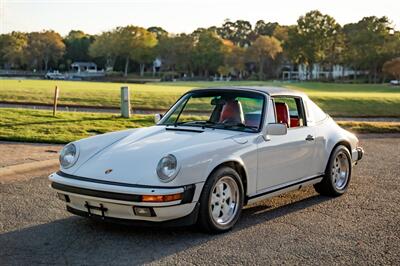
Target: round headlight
x=69, y=155
x=167, y=168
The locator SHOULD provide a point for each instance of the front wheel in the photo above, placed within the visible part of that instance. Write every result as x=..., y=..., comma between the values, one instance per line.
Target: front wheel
x=221, y=201
x=337, y=173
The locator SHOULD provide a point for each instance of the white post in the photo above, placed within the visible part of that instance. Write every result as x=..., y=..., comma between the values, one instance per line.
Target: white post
x=125, y=102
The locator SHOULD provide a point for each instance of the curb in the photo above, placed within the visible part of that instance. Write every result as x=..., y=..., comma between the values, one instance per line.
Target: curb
x=26, y=171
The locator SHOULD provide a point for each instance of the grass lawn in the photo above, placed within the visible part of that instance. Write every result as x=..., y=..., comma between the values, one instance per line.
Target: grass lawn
x=335, y=99
x=40, y=126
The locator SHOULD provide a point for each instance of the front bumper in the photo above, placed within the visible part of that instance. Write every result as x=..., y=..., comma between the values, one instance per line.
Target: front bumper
x=119, y=202
x=357, y=154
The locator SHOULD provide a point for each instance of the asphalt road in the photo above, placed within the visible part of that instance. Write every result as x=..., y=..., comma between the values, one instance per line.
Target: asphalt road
x=361, y=227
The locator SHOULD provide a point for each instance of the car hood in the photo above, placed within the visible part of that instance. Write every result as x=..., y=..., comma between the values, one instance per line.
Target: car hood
x=133, y=158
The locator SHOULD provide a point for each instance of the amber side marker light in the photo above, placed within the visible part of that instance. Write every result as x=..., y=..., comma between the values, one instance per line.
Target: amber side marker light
x=162, y=198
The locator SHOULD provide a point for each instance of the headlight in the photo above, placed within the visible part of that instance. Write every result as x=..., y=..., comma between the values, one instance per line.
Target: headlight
x=167, y=168
x=69, y=155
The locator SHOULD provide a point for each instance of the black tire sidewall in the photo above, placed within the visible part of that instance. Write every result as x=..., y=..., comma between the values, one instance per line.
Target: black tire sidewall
x=328, y=173
x=205, y=215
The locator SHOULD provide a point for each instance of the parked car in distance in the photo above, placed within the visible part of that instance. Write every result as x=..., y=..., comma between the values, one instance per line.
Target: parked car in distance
x=395, y=82
x=214, y=151
x=55, y=75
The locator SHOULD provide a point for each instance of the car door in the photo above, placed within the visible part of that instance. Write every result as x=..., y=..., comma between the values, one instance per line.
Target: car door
x=287, y=158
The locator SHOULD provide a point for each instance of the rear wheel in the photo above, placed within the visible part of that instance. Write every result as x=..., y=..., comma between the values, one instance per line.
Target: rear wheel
x=337, y=173
x=221, y=200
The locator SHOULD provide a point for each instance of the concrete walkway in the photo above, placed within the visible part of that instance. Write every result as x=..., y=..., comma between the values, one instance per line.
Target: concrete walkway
x=22, y=161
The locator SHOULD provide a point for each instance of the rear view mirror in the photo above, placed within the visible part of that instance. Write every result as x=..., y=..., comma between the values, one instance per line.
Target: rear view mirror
x=275, y=129
x=157, y=118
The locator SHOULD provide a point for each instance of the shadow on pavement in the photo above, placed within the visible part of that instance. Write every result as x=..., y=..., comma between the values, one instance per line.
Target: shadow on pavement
x=76, y=240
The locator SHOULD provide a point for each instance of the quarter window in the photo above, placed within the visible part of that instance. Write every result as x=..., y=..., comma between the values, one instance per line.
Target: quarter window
x=290, y=110
x=315, y=113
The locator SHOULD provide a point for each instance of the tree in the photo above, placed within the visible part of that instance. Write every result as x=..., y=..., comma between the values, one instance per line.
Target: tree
x=158, y=31
x=392, y=68
x=105, y=46
x=281, y=32
x=129, y=43
x=265, y=29
x=264, y=48
x=391, y=46
x=134, y=43
x=176, y=52
x=234, y=59
x=43, y=47
x=13, y=48
x=237, y=59
x=313, y=39
x=365, y=44
x=3, y=44
x=208, y=53
x=239, y=32
x=77, y=45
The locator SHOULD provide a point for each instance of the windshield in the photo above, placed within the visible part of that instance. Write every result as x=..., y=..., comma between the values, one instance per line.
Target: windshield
x=233, y=110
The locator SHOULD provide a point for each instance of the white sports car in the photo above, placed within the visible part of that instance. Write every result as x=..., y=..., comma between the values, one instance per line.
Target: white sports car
x=214, y=151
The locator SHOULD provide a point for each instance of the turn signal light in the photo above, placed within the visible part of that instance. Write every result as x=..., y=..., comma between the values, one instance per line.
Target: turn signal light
x=161, y=198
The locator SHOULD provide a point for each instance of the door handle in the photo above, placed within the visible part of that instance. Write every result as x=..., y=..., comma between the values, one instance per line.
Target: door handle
x=310, y=138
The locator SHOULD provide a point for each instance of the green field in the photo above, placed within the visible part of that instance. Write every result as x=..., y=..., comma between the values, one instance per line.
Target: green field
x=40, y=126
x=336, y=99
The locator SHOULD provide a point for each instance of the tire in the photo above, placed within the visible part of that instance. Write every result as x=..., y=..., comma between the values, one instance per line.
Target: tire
x=219, y=213
x=337, y=173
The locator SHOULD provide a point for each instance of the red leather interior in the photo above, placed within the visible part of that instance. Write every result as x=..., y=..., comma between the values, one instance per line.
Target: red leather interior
x=282, y=113
x=294, y=122
x=232, y=112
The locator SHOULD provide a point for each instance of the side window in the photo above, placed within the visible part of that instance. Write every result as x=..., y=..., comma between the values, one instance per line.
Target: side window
x=315, y=113
x=290, y=110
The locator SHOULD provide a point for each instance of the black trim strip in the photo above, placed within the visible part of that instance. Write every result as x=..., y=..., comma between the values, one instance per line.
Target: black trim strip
x=97, y=193
x=183, y=129
x=113, y=183
x=187, y=197
x=281, y=188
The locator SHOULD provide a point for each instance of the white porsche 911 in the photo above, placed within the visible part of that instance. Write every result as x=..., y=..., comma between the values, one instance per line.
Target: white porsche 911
x=214, y=151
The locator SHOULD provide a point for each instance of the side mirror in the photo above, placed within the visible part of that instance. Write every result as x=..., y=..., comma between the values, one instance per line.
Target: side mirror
x=157, y=118
x=275, y=129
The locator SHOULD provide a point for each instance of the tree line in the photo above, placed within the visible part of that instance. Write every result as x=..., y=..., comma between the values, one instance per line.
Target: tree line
x=236, y=48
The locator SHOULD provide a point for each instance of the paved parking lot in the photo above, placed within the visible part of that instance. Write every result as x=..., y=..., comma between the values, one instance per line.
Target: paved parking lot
x=361, y=227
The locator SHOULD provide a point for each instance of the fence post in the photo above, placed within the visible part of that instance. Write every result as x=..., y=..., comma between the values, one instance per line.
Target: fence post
x=125, y=102
x=56, y=95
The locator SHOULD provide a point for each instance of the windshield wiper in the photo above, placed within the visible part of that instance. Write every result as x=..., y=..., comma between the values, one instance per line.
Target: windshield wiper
x=212, y=124
x=196, y=123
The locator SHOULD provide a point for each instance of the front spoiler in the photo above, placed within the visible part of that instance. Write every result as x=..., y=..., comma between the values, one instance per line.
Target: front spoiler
x=183, y=221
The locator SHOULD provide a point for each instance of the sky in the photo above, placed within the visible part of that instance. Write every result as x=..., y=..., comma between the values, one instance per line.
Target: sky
x=95, y=16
